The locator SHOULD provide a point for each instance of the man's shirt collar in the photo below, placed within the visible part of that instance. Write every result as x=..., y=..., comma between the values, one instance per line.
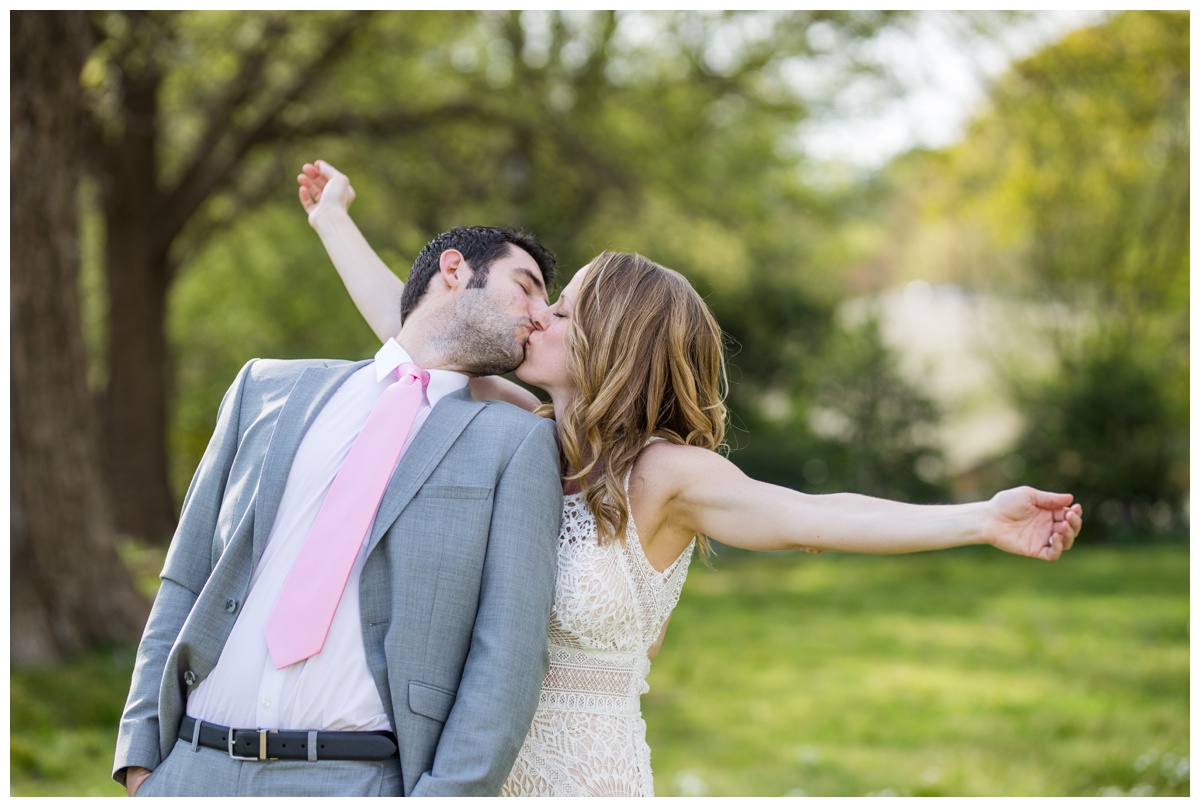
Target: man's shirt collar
x=441, y=382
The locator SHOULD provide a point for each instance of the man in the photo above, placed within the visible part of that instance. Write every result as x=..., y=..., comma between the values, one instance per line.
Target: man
x=426, y=675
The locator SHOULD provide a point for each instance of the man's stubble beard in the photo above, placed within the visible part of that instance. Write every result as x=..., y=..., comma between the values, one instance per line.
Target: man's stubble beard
x=479, y=340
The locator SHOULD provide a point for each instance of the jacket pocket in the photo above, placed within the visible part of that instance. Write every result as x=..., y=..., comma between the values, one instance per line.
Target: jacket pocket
x=454, y=492
x=430, y=701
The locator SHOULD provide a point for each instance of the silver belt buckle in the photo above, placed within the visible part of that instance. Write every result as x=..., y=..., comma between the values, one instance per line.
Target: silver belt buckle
x=262, y=744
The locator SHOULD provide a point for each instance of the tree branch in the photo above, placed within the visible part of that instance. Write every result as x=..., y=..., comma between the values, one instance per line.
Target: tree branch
x=597, y=61
x=222, y=107
x=274, y=130
x=202, y=228
x=212, y=170
x=398, y=122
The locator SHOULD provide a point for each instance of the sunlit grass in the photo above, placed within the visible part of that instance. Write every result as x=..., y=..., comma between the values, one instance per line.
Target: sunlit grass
x=957, y=673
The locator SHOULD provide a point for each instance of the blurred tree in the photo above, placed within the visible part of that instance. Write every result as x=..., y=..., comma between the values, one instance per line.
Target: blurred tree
x=857, y=424
x=669, y=133
x=1074, y=188
x=880, y=429
x=191, y=117
x=69, y=588
x=1102, y=427
x=665, y=133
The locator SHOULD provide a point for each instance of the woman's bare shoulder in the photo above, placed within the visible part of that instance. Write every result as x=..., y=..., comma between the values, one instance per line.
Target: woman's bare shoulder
x=670, y=468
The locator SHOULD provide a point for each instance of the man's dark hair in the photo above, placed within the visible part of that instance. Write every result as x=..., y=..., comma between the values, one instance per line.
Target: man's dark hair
x=480, y=246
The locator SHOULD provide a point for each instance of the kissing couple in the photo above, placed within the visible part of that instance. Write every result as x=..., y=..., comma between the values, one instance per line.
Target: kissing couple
x=409, y=576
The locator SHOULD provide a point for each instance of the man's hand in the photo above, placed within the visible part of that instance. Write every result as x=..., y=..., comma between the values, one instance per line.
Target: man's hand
x=1033, y=523
x=134, y=778
x=323, y=188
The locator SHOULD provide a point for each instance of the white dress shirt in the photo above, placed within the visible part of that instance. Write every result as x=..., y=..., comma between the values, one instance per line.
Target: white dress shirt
x=332, y=690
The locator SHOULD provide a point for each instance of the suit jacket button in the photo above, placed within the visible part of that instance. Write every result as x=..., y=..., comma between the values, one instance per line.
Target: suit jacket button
x=189, y=678
x=231, y=605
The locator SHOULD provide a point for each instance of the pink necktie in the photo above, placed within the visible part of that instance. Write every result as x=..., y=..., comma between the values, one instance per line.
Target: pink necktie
x=300, y=620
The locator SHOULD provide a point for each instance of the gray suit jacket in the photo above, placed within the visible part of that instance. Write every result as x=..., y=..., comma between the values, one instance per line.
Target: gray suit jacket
x=455, y=593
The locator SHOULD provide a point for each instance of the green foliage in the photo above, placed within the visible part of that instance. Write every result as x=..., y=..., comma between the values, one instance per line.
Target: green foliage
x=1084, y=158
x=1094, y=154
x=956, y=673
x=1071, y=192
x=1102, y=426
x=854, y=424
x=670, y=134
x=883, y=429
x=661, y=133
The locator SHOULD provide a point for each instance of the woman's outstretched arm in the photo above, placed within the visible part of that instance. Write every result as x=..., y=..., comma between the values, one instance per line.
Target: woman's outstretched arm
x=703, y=492
x=326, y=195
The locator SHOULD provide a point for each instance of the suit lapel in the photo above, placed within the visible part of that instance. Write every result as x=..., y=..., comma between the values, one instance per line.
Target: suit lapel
x=307, y=398
x=443, y=426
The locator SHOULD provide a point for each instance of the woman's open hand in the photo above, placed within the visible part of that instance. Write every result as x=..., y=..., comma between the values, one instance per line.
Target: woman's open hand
x=1034, y=523
x=323, y=188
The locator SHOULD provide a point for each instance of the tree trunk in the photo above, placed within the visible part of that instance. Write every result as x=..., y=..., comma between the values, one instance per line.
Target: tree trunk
x=69, y=588
x=135, y=404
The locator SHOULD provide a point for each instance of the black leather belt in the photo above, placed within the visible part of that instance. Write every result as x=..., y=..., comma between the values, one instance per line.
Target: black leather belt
x=266, y=744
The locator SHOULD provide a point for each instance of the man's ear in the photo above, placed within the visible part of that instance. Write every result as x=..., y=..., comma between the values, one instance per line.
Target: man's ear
x=453, y=269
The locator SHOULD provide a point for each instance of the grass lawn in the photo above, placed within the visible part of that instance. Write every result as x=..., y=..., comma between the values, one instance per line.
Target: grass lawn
x=965, y=673
x=956, y=673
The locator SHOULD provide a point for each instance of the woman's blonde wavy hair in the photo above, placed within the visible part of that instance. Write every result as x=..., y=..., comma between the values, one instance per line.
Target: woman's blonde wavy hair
x=647, y=359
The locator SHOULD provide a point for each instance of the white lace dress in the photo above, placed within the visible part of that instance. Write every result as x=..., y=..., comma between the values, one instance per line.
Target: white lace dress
x=588, y=737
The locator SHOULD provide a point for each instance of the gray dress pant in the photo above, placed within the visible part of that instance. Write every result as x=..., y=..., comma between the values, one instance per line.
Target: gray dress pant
x=200, y=771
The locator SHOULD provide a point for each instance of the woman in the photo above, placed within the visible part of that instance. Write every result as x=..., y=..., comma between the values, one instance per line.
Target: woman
x=632, y=361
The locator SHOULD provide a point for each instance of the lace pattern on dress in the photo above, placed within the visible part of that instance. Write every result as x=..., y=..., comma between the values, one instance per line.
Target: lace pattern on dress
x=610, y=605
